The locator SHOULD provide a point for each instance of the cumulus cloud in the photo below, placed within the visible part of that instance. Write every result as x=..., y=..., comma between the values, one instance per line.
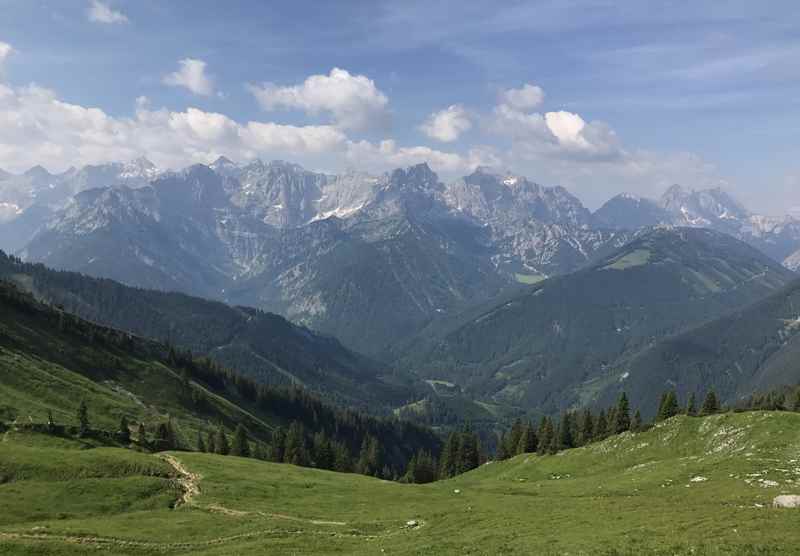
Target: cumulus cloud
x=100, y=12
x=5, y=52
x=36, y=127
x=526, y=97
x=191, y=75
x=447, y=125
x=559, y=134
x=353, y=101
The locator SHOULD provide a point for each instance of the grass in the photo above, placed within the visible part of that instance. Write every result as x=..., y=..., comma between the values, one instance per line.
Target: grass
x=631, y=494
x=635, y=258
x=529, y=279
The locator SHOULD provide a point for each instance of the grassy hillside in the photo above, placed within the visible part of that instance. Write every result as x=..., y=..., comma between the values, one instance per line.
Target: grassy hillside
x=558, y=343
x=687, y=486
x=261, y=345
x=51, y=361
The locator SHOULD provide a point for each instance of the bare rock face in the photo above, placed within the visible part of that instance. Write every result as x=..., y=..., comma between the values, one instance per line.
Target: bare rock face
x=786, y=501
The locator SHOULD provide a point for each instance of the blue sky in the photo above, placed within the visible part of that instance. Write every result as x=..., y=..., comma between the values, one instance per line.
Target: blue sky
x=598, y=96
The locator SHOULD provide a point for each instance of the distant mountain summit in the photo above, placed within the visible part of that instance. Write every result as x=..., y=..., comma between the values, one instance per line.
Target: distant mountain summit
x=710, y=208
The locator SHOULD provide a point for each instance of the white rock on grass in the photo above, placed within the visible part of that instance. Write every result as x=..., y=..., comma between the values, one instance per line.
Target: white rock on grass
x=786, y=501
x=698, y=479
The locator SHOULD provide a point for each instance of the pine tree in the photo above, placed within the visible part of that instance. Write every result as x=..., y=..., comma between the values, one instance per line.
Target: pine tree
x=369, y=458
x=342, y=461
x=296, y=451
x=546, y=436
x=201, y=445
x=502, y=448
x=448, y=466
x=600, y=426
x=468, y=453
x=83, y=419
x=796, y=405
x=323, y=451
x=240, y=446
x=527, y=440
x=691, y=405
x=513, y=438
x=586, y=427
x=258, y=451
x=124, y=433
x=710, y=404
x=565, y=440
x=165, y=437
x=221, y=442
x=141, y=436
x=622, y=418
x=211, y=445
x=669, y=406
x=278, y=450
x=636, y=422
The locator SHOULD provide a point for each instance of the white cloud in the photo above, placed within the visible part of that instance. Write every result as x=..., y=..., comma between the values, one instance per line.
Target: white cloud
x=447, y=125
x=525, y=98
x=353, y=101
x=386, y=155
x=192, y=76
x=100, y=12
x=5, y=52
x=36, y=127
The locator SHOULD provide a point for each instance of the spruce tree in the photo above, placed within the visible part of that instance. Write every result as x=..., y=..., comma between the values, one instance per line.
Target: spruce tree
x=796, y=405
x=527, y=440
x=342, y=461
x=468, y=453
x=124, y=433
x=296, y=451
x=240, y=446
x=513, y=438
x=221, y=442
x=83, y=419
x=691, y=405
x=278, y=449
x=622, y=418
x=141, y=436
x=600, y=426
x=669, y=406
x=211, y=445
x=586, y=427
x=448, y=466
x=636, y=422
x=503, y=452
x=258, y=451
x=546, y=436
x=710, y=404
x=201, y=445
x=565, y=440
x=323, y=451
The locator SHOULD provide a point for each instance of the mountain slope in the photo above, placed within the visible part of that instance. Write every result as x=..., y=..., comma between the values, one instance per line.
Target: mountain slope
x=261, y=345
x=51, y=361
x=556, y=344
x=753, y=348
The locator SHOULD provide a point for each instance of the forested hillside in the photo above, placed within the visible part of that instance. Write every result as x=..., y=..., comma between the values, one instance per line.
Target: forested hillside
x=261, y=345
x=57, y=370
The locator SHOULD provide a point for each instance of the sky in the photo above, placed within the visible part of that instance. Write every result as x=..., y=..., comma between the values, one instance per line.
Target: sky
x=598, y=96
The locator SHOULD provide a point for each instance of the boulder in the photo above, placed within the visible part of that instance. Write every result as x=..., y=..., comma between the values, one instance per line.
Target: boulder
x=786, y=501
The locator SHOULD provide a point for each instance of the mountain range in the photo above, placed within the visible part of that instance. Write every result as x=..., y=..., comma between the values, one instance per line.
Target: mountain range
x=369, y=259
